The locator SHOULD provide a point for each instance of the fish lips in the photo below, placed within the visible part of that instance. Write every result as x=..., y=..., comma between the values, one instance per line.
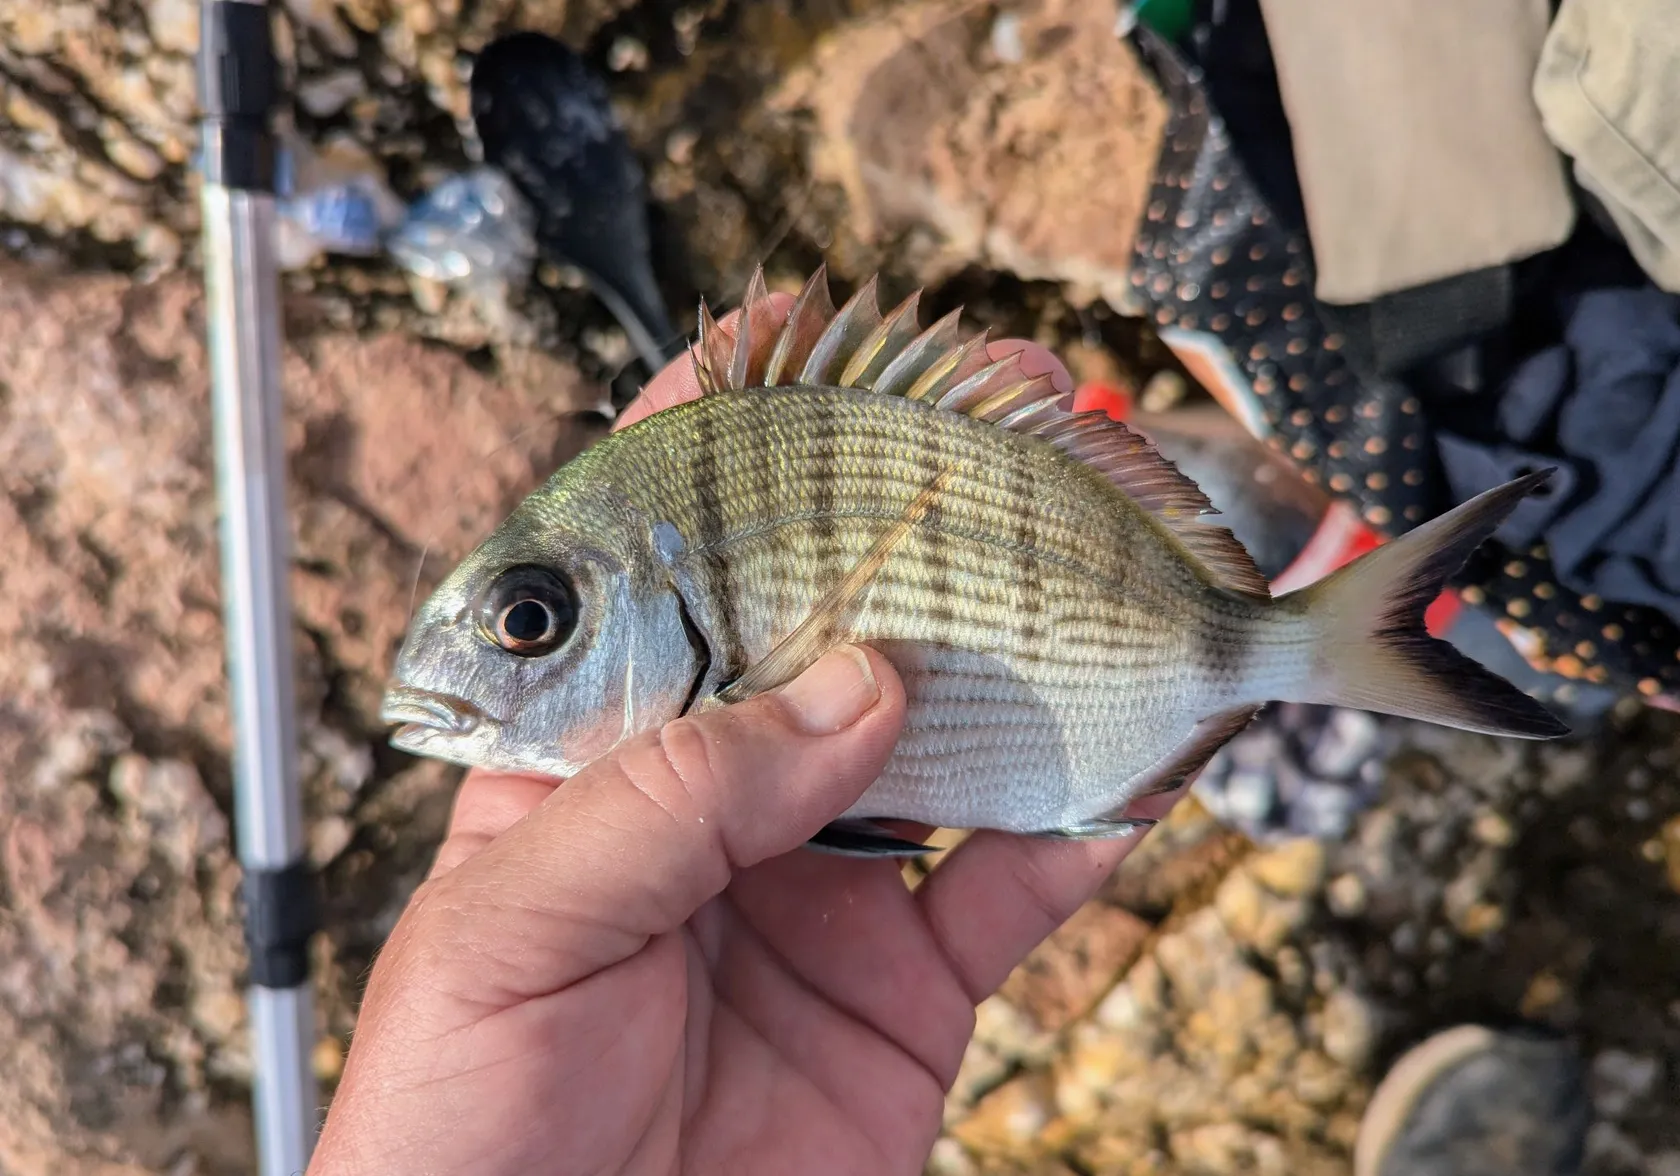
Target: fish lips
x=427, y=717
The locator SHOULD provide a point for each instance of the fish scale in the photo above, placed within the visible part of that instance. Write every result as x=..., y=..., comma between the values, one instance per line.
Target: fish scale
x=1111, y=672
x=1071, y=632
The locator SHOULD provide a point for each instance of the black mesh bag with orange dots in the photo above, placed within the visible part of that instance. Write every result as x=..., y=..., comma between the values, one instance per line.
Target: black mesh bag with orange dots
x=1228, y=284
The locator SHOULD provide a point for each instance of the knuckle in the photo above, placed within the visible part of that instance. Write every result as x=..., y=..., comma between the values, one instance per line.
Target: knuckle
x=688, y=762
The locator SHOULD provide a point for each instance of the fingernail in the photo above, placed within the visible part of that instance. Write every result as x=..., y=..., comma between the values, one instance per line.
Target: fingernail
x=834, y=693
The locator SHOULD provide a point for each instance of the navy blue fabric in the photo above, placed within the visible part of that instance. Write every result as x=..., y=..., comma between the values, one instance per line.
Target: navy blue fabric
x=1603, y=406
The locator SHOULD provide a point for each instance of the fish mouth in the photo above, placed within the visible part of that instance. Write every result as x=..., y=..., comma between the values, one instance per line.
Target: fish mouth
x=427, y=710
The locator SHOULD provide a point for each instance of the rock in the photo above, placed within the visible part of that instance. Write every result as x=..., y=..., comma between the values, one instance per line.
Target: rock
x=1294, y=869
x=1347, y=896
x=328, y=94
x=1010, y=1118
x=1350, y=1028
x=1228, y=1149
x=1664, y=1163
x=1621, y=1080
x=1069, y=973
x=1254, y=917
x=1494, y=828
x=174, y=25
x=1092, y=1065
x=949, y=1158
x=1609, y=1149
x=123, y=920
x=1671, y=851
x=928, y=131
x=1349, y=738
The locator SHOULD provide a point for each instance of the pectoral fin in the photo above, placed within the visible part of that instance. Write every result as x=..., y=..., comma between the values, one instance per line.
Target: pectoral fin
x=832, y=616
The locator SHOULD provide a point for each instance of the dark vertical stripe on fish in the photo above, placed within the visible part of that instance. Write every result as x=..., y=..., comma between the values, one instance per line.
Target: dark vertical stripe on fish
x=765, y=500
x=825, y=478
x=936, y=546
x=710, y=523
x=1028, y=576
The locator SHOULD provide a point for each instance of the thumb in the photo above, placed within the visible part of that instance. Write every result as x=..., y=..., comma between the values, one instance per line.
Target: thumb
x=633, y=845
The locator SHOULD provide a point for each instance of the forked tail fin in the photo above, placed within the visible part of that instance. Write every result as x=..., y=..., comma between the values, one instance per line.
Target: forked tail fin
x=1371, y=650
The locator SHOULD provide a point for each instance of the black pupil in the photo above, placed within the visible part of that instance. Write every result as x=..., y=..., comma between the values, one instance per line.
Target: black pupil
x=526, y=621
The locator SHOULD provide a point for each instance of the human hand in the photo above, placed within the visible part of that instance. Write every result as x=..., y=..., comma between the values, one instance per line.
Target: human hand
x=635, y=971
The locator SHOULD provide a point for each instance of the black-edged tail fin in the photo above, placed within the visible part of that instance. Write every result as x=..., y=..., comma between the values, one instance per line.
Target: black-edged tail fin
x=1372, y=651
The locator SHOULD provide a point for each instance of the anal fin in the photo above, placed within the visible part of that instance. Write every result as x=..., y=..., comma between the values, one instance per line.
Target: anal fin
x=1185, y=760
x=864, y=839
x=1200, y=746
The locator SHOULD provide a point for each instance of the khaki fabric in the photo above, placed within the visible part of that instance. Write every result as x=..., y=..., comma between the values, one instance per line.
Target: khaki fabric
x=1420, y=151
x=1608, y=89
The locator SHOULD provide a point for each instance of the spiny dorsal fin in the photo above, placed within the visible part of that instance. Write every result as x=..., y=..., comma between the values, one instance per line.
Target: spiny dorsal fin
x=858, y=347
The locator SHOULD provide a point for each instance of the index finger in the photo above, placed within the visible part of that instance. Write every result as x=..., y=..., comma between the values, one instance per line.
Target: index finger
x=1000, y=895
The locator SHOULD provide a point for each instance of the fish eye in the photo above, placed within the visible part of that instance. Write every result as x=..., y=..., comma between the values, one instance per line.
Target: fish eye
x=528, y=610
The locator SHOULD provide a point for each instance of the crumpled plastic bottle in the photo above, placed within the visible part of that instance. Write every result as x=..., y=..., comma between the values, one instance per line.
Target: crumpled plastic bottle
x=472, y=229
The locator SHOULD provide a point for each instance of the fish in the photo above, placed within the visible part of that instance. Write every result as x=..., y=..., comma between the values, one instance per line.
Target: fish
x=1073, y=630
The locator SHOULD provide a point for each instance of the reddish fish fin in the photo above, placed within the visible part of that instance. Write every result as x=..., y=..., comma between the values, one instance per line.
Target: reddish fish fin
x=832, y=616
x=749, y=359
x=806, y=320
x=884, y=344
x=854, y=323
x=856, y=347
x=1133, y=464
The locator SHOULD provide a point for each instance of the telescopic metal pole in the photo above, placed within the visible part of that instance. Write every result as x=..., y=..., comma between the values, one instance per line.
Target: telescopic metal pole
x=239, y=85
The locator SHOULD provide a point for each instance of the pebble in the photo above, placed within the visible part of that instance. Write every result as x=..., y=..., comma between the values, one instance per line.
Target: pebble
x=1323, y=809
x=1349, y=738
x=1294, y=869
x=1253, y=917
x=1481, y=920
x=328, y=1059
x=1006, y=38
x=1664, y=1163
x=1010, y=1033
x=1492, y=828
x=1671, y=851
x=1347, y=896
x=327, y=95
x=627, y=55
x=174, y=24
x=1229, y=1149
x=1620, y=1080
x=1319, y=1081
x=1093, y=1065
x=1010, y=1118
x=1249, y=796
x=329, y=837
x=1608, y=1149
x=1350, y=1028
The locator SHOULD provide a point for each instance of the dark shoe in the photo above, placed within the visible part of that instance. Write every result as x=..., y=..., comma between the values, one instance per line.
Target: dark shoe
x=1472, y=1101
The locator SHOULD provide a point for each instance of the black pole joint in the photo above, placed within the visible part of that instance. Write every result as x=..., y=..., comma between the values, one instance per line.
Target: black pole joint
x=238, y=89
x=282, y=914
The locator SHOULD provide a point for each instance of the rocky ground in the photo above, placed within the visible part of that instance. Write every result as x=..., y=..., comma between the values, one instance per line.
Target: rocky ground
x=1223, y=1009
